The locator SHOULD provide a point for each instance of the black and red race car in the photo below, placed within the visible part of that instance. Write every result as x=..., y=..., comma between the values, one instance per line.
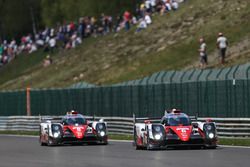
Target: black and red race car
x=175, y=129
x=72, y=128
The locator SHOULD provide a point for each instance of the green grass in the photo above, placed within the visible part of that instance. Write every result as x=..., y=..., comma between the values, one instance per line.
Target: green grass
x=222, y=141
x=120, y=137
x=170, y=43
x=28, y=133
x=234, y=142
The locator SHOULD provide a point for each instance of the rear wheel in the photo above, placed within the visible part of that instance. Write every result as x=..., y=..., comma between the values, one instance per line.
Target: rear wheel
x=41, y=142
x=137, y=147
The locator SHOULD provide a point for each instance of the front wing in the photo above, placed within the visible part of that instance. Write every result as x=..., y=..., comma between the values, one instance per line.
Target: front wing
x=174, y=141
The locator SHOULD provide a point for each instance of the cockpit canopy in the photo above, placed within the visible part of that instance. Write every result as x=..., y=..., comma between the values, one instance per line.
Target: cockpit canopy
x=176, y=120
x=74, y=119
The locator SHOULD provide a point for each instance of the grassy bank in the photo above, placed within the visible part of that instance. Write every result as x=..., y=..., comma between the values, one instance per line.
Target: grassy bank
x=170, y=43
x=222, y=141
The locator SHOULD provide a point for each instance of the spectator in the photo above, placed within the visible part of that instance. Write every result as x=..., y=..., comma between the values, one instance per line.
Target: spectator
x=148, y=19
x=118, y=23
x=1, y=54
x=153, y=5
x=168, y=5
x=47, y=61
x=134, y=20
x=33, y=48
x=148, y=6
x=175, y=5
x=142, y=25
x=203, y=53
x=52, y=44
x=127, y=18
x=142, y=9
x=70, y=35
x=222, y=45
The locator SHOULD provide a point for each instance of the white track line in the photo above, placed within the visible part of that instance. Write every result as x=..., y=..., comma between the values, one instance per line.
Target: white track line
x=227, y=146
x=26, y=136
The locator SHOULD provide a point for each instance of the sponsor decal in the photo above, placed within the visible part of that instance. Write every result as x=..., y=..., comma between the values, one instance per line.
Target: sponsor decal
x=183, y=132
x=78, y=131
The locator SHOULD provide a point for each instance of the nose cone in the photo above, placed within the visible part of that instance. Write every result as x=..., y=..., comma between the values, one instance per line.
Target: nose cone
x=183, y=132
x=78, y=131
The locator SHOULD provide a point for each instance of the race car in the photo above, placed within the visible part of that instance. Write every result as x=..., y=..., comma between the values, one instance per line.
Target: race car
x=175, y=129
x=72, y=128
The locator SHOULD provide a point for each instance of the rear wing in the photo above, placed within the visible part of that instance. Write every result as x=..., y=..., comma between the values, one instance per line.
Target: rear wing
x=146, y=119
x=193, y=118
x=50, y=119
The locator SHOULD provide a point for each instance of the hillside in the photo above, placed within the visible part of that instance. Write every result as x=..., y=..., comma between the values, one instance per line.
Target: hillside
x=170, y=43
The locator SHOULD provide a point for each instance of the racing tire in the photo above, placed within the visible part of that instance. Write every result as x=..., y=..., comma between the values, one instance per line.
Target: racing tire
x=211, y=147
x=42, y=144
x=50, y=142
x=138, y=147
x=148, y=145
x=149, y=148
x=105, y=143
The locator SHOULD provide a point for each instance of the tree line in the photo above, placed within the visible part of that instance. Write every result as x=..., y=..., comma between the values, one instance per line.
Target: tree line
x=19, y=17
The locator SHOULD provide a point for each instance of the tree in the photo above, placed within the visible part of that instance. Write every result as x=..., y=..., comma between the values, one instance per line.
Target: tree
x=15, y=17
x=54, y=11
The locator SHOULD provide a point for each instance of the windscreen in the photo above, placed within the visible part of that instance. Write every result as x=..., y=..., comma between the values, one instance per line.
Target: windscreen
x=73, y=120
x=178, y=120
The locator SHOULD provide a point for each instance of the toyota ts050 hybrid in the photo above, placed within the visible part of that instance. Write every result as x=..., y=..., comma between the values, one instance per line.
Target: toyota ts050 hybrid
x=175, y=129
x=72, y=128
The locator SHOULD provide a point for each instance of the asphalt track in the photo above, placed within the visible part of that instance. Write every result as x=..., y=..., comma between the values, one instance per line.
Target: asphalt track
x=26, y=152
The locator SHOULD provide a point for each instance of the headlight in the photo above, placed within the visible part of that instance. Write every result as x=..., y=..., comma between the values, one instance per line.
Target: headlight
x=56, y=128
x=157, y=128
x=100, y=126
x=157, y=136
x=211, y=135
x=56, y=134
x=102, y=133
x=209, y=127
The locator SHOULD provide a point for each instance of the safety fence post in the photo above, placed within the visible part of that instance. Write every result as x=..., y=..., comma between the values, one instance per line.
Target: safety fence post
x=28, y=109
x=248, y=92
x=235, y=94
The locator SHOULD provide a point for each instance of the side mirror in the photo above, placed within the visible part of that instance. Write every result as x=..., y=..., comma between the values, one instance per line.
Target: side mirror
x=142, y=129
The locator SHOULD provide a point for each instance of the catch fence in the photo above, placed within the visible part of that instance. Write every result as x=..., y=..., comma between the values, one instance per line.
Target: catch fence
x=205, y=93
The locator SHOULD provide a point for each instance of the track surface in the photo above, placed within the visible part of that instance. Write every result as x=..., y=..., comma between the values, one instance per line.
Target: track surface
x=26, y=152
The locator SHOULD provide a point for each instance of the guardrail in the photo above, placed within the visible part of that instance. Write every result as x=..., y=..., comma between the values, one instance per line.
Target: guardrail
x=227, y=127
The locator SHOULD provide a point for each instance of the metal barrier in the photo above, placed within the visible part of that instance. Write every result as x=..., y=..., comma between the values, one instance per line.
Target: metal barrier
x=227, y=127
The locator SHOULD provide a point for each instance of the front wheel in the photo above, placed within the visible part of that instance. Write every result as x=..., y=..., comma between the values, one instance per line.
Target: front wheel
x=211, y=147
x=50, y=142
x=42, y=144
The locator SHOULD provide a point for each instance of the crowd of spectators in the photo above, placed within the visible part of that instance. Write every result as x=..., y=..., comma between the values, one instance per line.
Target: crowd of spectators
x=70, y=35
